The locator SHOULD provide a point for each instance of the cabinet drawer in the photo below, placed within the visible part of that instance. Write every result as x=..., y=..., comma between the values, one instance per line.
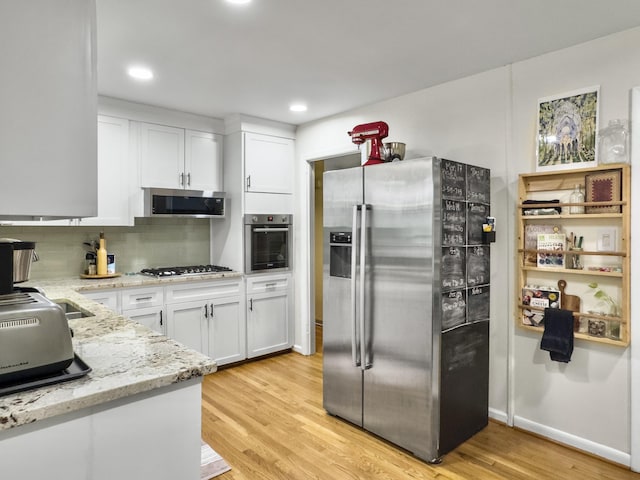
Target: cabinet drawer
x=142, y=297
x=108, y=298
x=271, y=283
x=194, y=291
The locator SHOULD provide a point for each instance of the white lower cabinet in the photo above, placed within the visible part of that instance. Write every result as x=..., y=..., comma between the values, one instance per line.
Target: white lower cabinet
x=269, y=314
x=151, y=317
x=208, y=317
x=108, y=298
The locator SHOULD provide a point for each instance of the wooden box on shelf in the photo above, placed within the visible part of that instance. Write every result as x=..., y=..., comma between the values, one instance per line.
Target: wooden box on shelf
x=537, y=191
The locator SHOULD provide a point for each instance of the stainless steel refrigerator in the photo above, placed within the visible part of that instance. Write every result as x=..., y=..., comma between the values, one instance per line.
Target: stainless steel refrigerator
x=406, y=301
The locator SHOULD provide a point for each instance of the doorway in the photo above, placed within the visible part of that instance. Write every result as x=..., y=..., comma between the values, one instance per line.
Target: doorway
x=319, y=167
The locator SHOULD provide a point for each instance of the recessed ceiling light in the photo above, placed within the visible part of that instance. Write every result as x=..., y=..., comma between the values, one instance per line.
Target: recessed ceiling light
x=140, y=73
x=239, y=2
x=298, y=107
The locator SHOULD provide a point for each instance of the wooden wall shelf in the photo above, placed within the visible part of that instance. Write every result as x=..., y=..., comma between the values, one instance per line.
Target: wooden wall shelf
x=558, y=185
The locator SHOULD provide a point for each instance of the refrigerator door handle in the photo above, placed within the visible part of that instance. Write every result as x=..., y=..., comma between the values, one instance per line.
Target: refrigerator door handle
x=365, y=363
x=355, y=347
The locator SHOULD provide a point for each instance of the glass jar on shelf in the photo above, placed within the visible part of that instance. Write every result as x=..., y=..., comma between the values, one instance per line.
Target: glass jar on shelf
x=577, y=196
x=613, y=143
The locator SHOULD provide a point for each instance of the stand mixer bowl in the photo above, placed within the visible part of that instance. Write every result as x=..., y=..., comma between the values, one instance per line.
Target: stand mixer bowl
x=394, y=151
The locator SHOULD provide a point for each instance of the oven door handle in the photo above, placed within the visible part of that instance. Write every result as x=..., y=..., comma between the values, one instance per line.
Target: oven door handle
x=270, y=229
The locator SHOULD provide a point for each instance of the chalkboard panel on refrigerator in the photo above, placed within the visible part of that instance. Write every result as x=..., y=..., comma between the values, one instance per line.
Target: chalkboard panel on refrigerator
x=454, y=308
x=478, y=184
x=478, y=270
x=453, y=222
x=477, y=214
x=453, y=268
x=478, y=303
x=453, y=176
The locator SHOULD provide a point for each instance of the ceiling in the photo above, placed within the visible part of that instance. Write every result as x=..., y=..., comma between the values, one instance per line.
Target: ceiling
x=213, y=58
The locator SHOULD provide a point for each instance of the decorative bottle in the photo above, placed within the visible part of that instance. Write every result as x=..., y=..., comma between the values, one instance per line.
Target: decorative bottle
x=101, y=257
x=576, y=197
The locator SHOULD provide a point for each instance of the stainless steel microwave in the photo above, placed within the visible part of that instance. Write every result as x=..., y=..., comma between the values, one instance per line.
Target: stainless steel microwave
x=268, y=242
x=165, y=202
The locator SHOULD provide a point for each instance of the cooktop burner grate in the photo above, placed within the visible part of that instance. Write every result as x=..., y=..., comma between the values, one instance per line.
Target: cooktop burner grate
x=186, y=270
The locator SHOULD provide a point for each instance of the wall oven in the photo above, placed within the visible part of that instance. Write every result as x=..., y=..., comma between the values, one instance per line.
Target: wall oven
x=268, y=242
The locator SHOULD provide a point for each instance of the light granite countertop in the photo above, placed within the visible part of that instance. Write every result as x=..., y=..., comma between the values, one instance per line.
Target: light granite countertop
x=126, y=358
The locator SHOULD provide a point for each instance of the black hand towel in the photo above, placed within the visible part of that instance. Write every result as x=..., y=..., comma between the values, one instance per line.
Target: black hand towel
x=558, y=334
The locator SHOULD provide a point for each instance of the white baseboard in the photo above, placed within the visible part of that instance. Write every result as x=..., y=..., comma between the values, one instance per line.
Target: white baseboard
x=498, y=415
x=574, y=441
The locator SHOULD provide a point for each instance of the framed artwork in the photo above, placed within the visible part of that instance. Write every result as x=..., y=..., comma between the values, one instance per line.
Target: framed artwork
x=567, y=130
x=603, y=187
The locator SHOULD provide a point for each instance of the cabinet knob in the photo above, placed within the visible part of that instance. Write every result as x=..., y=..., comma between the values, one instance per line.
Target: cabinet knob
x=248, y=182
x=160, y=317
x=189, y=179
x=206, y=311
x=182, y=179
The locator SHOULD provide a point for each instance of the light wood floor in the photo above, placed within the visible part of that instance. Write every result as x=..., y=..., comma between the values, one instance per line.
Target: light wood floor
x=266, y=420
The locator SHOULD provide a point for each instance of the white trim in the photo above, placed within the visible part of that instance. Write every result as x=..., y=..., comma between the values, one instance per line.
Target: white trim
x=634, y=355
x=580, y=443
x=498, y=415
x=141, y=112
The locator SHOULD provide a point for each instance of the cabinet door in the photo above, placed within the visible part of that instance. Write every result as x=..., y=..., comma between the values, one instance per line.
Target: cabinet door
x=203, y=161
x=227, y=332
x=186, y=324
x=152, y=317
x=268, y=323
x=161, y=156
x=113, y=173
x=268, y=163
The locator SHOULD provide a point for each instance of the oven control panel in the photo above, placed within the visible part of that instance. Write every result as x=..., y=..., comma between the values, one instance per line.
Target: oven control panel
x=276, y=219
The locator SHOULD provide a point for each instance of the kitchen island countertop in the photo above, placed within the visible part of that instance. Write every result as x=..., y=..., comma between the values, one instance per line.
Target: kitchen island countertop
x=126, y=358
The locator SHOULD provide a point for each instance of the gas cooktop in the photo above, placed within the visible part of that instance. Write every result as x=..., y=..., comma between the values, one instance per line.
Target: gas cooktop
x=188, y=270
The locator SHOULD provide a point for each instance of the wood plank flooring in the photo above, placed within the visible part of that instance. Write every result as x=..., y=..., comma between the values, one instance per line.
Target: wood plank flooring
x=266, y=420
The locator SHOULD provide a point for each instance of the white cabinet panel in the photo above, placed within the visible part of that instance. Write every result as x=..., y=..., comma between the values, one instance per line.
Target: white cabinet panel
x=114, y=173
x=268, y=324
x=203, y=161
x=142, y=297
x=176, y=158
x=227, y=331
x=268, y=163
x=161, y=156
x=48, y=100
x=186, y=324
x=151, y=317
x=108, y=298
x=269, y=314
x=188, y=292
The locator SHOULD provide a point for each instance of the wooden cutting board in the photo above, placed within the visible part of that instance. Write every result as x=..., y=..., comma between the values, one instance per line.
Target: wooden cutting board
x=569, y=302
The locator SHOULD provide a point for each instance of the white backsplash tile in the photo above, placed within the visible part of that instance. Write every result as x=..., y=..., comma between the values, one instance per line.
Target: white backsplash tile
x=150, y=243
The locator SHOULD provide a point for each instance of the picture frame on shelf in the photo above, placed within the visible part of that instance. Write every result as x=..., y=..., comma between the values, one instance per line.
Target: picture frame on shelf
x=603, y=187
x=567, y=135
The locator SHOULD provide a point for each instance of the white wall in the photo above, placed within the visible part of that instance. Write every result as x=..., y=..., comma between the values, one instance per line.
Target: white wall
x=489, y=120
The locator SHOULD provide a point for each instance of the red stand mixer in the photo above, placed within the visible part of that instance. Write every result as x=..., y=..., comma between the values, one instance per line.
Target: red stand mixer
x=375, y=132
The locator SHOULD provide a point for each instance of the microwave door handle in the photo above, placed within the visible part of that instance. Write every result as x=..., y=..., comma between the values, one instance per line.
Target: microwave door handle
x=355, y=344
x=366, y=364
x=270, y=230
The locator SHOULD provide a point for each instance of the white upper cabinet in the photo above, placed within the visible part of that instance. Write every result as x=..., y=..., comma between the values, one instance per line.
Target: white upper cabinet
x=176, y=158
x=203, y=160
x=48, y=107
x=161, y=156
x=114, y=173
x=268, y=163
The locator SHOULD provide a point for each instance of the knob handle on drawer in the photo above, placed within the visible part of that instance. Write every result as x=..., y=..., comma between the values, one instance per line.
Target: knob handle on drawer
x=142, y=299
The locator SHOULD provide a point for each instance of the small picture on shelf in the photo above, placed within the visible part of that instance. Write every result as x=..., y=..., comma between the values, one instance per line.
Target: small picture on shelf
x=554, y=245
x=604, y=187
x=531, y=232
x=538, y=298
